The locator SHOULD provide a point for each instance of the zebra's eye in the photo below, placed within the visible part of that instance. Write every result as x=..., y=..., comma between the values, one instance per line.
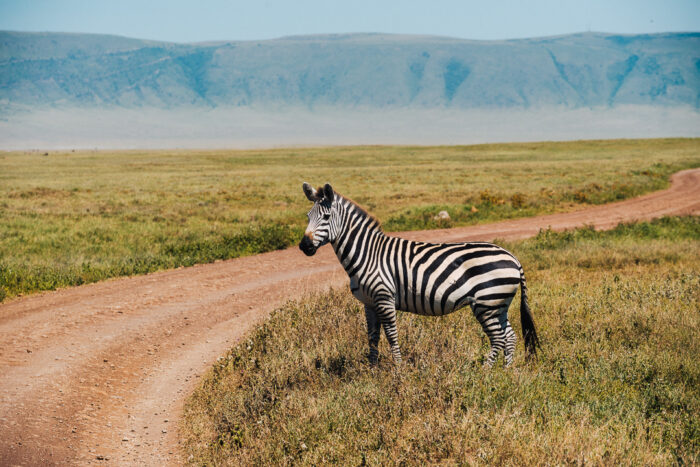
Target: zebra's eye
x=326, y=217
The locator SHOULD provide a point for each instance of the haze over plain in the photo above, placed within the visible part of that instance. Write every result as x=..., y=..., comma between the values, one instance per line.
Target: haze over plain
x=88, y=90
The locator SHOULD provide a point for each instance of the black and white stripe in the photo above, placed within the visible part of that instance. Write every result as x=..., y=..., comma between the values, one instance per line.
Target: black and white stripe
x=388, y=274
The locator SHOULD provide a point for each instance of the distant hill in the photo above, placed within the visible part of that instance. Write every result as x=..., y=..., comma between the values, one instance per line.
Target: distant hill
x=86, y=91
x=39, y=70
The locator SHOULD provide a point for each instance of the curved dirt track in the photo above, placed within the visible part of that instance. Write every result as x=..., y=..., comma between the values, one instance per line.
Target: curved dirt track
x=98, y=373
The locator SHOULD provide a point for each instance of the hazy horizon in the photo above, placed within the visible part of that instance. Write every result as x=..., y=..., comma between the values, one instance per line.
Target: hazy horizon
x=248, y=128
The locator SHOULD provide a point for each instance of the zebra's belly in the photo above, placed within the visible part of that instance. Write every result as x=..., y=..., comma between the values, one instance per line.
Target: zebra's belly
x=421, y=305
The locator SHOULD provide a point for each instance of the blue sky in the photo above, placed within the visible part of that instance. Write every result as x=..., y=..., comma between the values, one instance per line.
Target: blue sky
x=204, y=20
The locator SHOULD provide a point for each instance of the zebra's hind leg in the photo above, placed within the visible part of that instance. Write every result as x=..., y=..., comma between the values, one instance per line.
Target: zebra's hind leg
x=509, y=349
x=494, y=322
x=387, y=317
x=373, y=333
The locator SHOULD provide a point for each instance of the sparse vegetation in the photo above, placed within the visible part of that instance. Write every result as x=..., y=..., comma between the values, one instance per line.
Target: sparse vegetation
x=617, y=380
x=74, y=217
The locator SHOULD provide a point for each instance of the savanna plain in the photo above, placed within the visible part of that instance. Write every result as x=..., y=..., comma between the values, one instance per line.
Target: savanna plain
x=616, y=380
x=70, y=218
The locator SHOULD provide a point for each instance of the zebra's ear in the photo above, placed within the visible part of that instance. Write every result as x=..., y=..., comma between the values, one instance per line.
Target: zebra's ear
x=328, y=192
x=310, y=192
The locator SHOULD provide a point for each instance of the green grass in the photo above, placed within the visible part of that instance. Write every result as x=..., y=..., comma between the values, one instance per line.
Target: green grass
x=184, y=250
x=617, y=380
x=75, y=217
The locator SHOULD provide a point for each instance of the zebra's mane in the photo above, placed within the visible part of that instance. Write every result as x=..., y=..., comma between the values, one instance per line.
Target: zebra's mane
x=360, y=210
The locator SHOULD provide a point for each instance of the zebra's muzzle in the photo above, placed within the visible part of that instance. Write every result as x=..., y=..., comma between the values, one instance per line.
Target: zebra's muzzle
x=307, y=246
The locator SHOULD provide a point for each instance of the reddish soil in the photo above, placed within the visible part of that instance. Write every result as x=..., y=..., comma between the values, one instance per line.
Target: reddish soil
x=98, y=374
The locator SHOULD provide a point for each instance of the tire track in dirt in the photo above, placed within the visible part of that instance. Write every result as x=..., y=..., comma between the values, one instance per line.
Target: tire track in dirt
x=98, y=374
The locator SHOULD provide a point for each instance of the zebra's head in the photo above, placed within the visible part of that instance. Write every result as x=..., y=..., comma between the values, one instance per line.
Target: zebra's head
x=321, y=229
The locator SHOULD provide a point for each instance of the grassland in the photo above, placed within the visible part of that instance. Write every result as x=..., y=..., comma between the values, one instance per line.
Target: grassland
x=74, y=217
x=617, y=380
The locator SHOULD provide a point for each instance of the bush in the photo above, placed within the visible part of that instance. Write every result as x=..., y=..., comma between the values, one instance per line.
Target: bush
x=518, y=200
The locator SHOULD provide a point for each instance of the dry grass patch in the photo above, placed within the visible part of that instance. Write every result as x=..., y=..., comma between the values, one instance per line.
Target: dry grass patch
x=617, y=380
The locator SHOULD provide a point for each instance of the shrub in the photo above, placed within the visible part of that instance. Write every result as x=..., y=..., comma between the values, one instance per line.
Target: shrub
x=518, y=200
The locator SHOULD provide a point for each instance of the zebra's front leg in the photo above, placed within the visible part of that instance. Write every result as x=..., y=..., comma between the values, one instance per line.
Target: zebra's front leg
x=387, y=316
x=373, y=333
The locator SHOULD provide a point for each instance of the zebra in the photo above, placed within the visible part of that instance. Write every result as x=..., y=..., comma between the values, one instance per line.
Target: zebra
x=389, y=273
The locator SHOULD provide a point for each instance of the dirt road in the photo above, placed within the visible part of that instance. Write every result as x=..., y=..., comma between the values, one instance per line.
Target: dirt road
x=97, y=374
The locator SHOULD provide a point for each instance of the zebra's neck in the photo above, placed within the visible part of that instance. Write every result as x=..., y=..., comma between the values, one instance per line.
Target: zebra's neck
x=359, y=234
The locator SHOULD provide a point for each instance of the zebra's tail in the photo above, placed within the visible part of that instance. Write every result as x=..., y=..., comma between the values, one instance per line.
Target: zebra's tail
x=526, y=321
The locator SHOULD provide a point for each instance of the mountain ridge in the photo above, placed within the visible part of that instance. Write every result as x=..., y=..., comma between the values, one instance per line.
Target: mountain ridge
x=375, y=70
